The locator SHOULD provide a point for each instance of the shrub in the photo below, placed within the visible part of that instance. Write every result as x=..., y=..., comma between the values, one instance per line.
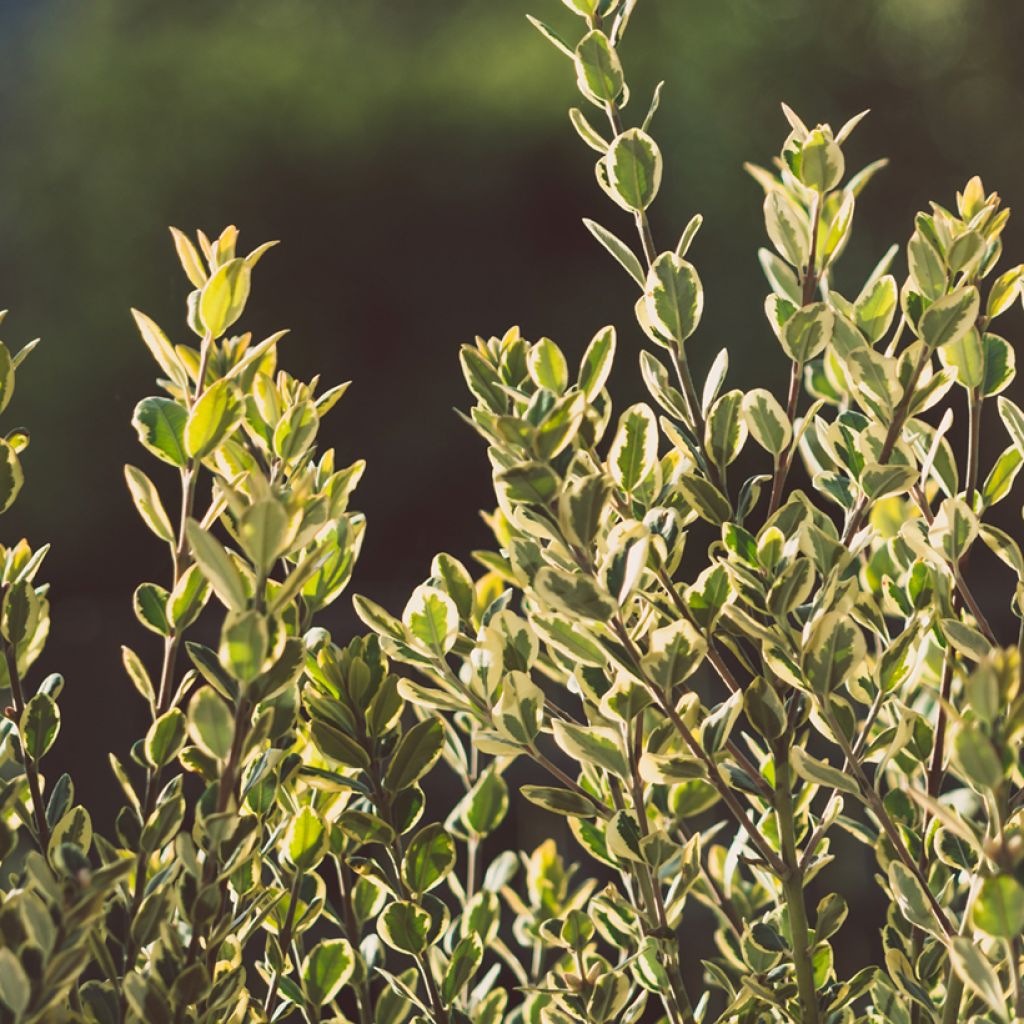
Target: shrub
x=703, y=728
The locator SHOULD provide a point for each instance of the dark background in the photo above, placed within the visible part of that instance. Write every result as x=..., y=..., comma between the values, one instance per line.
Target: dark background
x=416, y=161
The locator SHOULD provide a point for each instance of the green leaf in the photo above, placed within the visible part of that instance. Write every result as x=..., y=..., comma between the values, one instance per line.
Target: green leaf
x=188, y=598
x=244, y=645
x=40, y=723
x=912, y=900
x=160, y=348
x=11, y=475
x=306, y=840
x=211, y=723
x=623, y=254
x=591, y=745
x=999, y=908
x=15, y=988
x=529, y=482
x=138, y=674
x=337, y=746
x=466, y=958
x=821, y=162
x=926, y=266
x=559, y=801
x=787, y=227
x=429, y=858
x=1000, y=364
x=977, y=757
x=597, y=363
x=764, y=709
x=767, y=421
x=807, y=332
x=835, y=651
x=166, y=736
x=148, y=503
x=21, y=612
x=1001, y=477
x=950, y=317
x=1013, y=419
x=725, y=430
x=812, y=770
x=326, y=969
x=213, y=418
x=623, y=837
x=547, y=366
x=484, y=806
x=966, y=356
x=160, y=424
x=674, y=297
x=976, y=972
x=217, y=566
x=634, y=169
x=598, y=71
x=704, y=498
x=405, y=927
x=634, y=450
x=150, y=604
x=224, y=296
x=432, y=618
x=572, y=593
x=415, y=754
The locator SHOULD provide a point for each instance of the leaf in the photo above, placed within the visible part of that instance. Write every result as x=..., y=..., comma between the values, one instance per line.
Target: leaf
x=674, y=297
x=306, y=840
x=977, y=757
x=415, y=754
x=217, y=566
x=213, y=418
x=21, y=613
x=1013, y=419
x=337, y=746
x=547, y=366
x=572, y=593
x=138, y=674
x=975, y=971
x=634, y=450
x=165, y=737
x=949, y=318
x=326, y=969
x=623, y=837
x=586, y=130
x=767, y=421
x=11, y=475
x=160, y=424
x=634, y=169
x=432, y=618
x=484, y=806
x=429, y=858
x=835, y=651
x=150, y=605
x=787, y=227
x=529, y=482
x=466, y=958
x=597, y=363
x=623, y=254
x=705, y=498
x=559, y=801
x=1000, y=364
x=725, y=430
x=912, y=900
x=598, y=71
x=821, y=161
x=966, y=356
x=999, y=909
x=15, y=988
x=39, y=725
x=812, y=770
x=591, y=745
x=160, y=348
x=405, y=927
x=211, y=724
x=148, y=503
x=224, y=296
x=244, y=645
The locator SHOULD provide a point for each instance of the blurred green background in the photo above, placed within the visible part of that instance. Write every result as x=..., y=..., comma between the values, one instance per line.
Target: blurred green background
x=416, y=161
